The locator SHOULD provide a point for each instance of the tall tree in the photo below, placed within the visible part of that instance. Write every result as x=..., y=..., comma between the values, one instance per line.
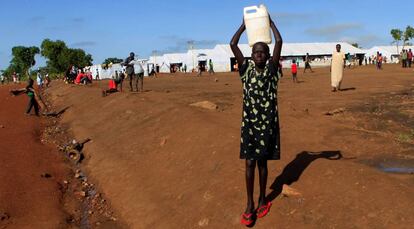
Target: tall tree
x=408, y=35
x=60, y=57
x=397, y=35
x=52, y=50
x=23, y=59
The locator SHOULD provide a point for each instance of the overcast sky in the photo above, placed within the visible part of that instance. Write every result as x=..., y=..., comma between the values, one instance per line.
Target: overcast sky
x=109, y=28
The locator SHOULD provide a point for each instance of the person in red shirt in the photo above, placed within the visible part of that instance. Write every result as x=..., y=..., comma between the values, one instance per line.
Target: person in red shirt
x=410, y=57
x=294, y=68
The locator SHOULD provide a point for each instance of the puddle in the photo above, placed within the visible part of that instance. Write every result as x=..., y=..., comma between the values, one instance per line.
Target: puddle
x=390, y=164
x=396, y=170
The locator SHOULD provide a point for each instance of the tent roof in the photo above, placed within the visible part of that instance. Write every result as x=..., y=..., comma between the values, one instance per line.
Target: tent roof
x=391, y=49
x=299, y=49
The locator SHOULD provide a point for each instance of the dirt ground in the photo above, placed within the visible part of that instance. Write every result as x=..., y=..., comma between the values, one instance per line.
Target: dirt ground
x=39, y=186
x=31, y=172
x=162, y=163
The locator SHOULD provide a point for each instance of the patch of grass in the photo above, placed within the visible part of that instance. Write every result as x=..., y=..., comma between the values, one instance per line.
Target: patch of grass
x=405, y=137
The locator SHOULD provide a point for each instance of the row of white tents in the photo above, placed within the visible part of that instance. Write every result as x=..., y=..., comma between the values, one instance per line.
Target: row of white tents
x=223, y=58
x=392, y=53
x=224, y=61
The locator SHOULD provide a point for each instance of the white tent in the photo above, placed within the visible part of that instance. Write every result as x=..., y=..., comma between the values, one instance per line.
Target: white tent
x=390, y=52
x=223, y=57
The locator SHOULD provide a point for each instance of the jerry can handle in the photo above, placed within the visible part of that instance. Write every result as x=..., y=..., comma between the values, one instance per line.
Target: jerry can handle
x=249, y=9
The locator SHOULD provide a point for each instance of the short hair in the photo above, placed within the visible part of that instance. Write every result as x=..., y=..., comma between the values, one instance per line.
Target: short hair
x=267, y=49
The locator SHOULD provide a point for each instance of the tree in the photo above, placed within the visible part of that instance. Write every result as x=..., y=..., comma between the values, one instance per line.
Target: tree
x=408, y=35
x=52, y=50
x=76, y=57
x=356, y=45
x=397, y=36
x=23, y=59
x=60, y=57
x=112, y=60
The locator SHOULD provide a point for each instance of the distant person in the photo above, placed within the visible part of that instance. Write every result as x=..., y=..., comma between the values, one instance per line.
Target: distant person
x=348, y=60
x=153, y=72
x=260, y=139
x=112, y=87
x=139, y=71
x=379, y=62
x=185, y=68
x=210, y=67
x=365, y=60
x=370, y=60
x=2, y=78
x=337, y=68
x=129, y=64
x=33, y=97
x=97, y=75
x=404, y=58
x=14, y=76
x=39, y=80
x=280, y=68
x=119, y=80
x=409, y=58
x=46, y=81
x=199, y=68
x=236, y=66
x=294, y=69
x=307, y=63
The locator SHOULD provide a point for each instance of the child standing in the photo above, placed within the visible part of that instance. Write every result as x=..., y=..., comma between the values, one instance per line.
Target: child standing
x=260, y=140
x=294, y=68
x=33, y=97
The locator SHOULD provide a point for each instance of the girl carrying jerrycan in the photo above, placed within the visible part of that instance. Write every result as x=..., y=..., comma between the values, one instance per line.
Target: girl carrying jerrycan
x=260, y=138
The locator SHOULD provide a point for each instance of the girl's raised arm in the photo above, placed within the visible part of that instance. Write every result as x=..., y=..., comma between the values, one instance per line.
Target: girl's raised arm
x=278, y=42
x=234, y=44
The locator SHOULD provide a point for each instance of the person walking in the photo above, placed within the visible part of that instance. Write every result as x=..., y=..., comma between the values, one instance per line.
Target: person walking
x=294, y=69
x=404, y=58
x=307, y=63
x=139, y=71
x=337, y=68
x=39, y=79
x=409, y=57
x=260, y=133
x=129, y=70
x=210, y=67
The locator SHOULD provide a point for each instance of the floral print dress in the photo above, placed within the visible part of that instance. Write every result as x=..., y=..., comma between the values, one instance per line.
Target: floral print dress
x=260, y=138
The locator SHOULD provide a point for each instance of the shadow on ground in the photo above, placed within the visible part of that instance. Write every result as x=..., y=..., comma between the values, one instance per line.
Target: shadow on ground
x=292, y=172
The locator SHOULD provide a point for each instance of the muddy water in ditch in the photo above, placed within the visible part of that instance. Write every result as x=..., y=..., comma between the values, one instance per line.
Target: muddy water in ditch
x=391, y=164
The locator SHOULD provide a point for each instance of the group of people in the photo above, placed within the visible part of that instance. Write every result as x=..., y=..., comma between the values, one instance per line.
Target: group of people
x=42, y=80
x=78, y=76
x=132, y=70
x=406, y=58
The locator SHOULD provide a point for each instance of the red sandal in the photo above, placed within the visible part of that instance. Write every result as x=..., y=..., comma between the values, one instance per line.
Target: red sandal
x=263, y=210
x=247, y=219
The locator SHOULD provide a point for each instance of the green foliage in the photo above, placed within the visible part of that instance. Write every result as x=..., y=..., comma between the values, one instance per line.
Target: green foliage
x=408, y=34
x=396, y=34
x=23, y=59
x=52, y=50
x=60, y=57
x=112, y=60
x=404, y=36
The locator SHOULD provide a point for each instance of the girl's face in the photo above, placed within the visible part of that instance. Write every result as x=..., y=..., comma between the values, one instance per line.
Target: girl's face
x=260, y=54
